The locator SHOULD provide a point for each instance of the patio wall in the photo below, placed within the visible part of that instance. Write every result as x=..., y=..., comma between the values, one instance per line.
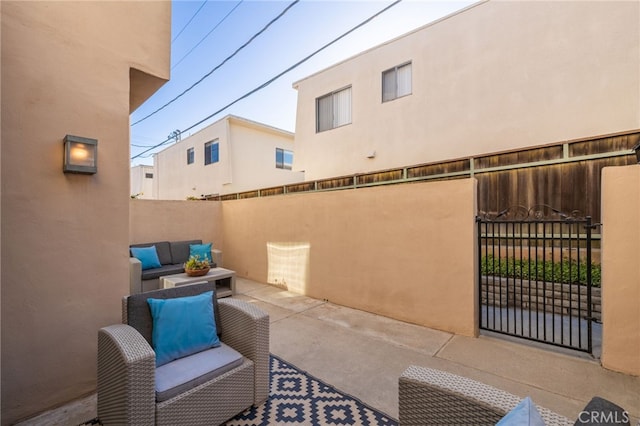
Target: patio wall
x=403, y=251
x=163, y=220
x=76, y=68
x=621, y=269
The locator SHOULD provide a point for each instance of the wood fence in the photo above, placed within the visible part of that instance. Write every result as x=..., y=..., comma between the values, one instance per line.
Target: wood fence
x=564, y=175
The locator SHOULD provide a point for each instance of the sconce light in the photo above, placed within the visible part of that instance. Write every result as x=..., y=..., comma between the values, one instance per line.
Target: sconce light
x=80, y=155
x=637, y=150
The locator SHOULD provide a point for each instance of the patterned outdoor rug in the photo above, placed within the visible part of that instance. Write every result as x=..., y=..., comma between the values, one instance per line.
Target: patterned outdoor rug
x=297, y=398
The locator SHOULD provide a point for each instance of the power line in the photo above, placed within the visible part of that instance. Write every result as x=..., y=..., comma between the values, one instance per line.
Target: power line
x=268, y=82
x=140, y=139
x=207, y=35
x=221, y=64
x=187, y=24
x=166, y=141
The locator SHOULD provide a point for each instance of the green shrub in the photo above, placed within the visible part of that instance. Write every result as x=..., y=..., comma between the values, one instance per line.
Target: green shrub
x=566, y=272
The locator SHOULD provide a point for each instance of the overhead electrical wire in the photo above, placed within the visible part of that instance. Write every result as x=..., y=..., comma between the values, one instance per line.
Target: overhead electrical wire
x=140, y=141
x=268, y=82
x=207, y=35
x=220, y=64
x=187, y=24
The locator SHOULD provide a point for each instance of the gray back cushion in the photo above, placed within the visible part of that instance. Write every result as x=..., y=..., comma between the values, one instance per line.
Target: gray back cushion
x=162, y=248
x=139, y=314
x=180, y=250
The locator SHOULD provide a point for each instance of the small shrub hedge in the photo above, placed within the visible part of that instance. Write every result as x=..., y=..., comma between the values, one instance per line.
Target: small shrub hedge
x=565, y=272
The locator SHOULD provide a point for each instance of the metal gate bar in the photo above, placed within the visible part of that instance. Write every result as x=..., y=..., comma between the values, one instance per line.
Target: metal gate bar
x=535, y=272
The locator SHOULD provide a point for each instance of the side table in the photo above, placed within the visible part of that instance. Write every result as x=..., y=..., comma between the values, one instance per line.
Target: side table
x=225, y=280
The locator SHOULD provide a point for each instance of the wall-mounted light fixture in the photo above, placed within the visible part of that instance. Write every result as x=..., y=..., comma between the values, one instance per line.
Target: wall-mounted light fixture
x=80, y=155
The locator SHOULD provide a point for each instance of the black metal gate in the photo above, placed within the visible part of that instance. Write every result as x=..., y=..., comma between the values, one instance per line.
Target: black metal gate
x=535, y=275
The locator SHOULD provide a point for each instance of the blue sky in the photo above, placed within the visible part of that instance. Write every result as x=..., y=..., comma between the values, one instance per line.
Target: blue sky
x=304, y=28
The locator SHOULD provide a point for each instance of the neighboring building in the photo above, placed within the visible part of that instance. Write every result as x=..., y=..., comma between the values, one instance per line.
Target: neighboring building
x=493, y=77
x=142, y=182
x=231, y=155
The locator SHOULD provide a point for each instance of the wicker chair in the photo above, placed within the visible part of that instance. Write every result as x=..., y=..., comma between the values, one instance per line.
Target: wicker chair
x=434, y=397
x=127, y=366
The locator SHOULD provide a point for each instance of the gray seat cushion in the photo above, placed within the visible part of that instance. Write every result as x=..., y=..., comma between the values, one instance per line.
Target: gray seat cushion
x=162, y=248
x=150, y=274
x=180, y=250
x=183, y=374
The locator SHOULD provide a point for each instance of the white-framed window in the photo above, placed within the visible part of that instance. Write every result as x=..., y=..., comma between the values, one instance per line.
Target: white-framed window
x=191, y=156
x=333, y=110
x=148, y=175
x=284, y=159
x=396, y=82
x=211, y=152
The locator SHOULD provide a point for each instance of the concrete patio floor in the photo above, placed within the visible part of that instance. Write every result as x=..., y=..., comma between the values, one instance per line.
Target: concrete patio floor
x=363, y=354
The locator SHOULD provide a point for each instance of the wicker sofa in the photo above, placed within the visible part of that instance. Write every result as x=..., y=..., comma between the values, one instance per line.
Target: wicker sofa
x=128, y=391
x=172, y=256
x=434, y=397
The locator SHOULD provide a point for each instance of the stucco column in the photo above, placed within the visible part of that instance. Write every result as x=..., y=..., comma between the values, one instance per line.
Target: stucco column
x=621, y=269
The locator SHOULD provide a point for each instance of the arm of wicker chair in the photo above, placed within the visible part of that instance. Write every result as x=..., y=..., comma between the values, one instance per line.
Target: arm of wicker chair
x=245, y=327
x=135, y=276
x=434, y=397
x=126, y=377
x=217, y=257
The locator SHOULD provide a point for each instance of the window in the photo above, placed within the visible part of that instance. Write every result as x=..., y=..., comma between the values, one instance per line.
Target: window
x=148, y=175
x=284, y=159
x=396, y=82
x=211, y=152
x=190, y=156
x=333, y=110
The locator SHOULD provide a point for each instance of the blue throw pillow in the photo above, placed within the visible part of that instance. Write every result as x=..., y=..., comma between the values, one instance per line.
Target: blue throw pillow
x=182, y=326
x=202, y=250
x=148, y=256
x=524, y=414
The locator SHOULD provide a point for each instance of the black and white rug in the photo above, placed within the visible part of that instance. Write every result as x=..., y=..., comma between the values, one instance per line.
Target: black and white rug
x=297, y=398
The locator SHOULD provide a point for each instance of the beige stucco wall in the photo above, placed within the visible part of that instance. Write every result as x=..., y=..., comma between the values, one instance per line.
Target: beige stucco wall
x=498, y=76
x=141, y=185
x=621, y=269
x=405, y=251
x=174, y=220
x=253, y=157
x=247, y=161
x=66, y=70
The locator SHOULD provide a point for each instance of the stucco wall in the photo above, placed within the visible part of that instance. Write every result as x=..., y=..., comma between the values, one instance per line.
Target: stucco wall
x=66, y=70
x=156, y=220
x=247, y=161
x=253, y=158
x=175, y=180
x=403, y=251
x=141, y=185
x=621, y=269
x=498, y=76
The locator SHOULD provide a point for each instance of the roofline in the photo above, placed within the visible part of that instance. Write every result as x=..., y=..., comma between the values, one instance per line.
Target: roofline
x=437, y=21
x=247, y=123
x=235, y=119
x=255, y=124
